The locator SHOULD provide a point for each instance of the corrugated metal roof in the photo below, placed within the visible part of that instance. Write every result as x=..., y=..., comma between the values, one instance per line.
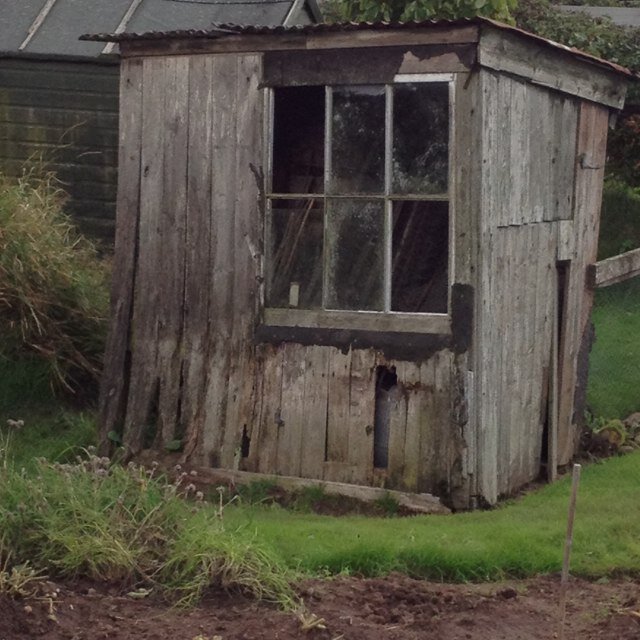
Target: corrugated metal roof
x=54, y=26
x=221, y=30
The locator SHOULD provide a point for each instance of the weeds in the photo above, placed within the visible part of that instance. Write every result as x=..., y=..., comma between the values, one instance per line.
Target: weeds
x=53, y=293
x=129, y=524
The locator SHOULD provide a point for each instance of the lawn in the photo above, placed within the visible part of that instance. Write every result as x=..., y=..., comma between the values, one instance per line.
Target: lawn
x=614, y=371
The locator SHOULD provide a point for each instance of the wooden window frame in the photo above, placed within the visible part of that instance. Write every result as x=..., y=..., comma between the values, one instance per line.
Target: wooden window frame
x=384, y=320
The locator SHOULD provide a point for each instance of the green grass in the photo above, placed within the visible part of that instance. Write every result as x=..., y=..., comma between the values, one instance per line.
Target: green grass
x=614, y=365
x=519, y=539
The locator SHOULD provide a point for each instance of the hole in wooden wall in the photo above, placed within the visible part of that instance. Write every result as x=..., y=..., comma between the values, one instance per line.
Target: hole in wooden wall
x=245, y=443
x=386, y=381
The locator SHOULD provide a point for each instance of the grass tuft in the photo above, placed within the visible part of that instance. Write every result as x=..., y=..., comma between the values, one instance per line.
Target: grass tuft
x=107, y=522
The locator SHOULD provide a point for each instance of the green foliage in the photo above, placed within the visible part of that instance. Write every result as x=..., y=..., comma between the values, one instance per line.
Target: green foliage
x=100, y=520
x=405, y=10
x=620, y=219
x=623, y=148
x=597, y=36
x=53, y=293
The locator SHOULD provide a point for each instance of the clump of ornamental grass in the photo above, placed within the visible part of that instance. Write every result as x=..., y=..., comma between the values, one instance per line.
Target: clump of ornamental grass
x=131, y=525
x=53, y=286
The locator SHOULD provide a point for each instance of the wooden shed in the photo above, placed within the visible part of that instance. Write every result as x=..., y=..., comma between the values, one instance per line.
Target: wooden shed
x=357, y=253
x=59, y=96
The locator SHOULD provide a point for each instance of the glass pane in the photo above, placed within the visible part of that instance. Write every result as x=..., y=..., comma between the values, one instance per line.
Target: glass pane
x=420, y=137
x=420, y=255
x=295, y=258
x=357, y=162
x=355, y=265
x=298, y=140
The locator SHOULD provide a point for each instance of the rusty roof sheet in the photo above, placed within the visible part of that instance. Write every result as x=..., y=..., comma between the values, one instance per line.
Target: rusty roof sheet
x=222, y=30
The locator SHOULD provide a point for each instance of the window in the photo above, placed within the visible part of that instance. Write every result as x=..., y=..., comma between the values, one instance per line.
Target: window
x=358, y=205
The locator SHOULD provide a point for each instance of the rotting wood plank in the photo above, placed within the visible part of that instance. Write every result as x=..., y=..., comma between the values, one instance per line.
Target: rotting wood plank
x=292, y=410
x=198, y=253
x=418, y=502
x=222, y=256
x=361, y=413
x=338, y=410
x=398, y=403
x=316, y=394
x=241, y=403
x=591, y=147
x=413, y=392
x=264, y=446
x=555, y=69
x=429, y=426
x=615, y=269
x=115, y=376
x=144, y=328
x=172, y=224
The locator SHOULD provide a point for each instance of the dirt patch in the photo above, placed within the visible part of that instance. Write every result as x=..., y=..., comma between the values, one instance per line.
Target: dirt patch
x=391, y=608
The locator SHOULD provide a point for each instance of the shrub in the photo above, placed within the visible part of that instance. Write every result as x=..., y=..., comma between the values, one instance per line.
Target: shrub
x=620, y=221
x=53, y=293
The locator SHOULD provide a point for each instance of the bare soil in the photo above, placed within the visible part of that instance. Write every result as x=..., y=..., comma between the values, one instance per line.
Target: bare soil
x=393, y=608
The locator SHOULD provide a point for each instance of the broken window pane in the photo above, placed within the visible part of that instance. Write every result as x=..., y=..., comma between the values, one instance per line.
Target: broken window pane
x=295, y=275
x=420, y=256
x=298, y=140
x=357, y=146
x=355, y=244
x=420, y=137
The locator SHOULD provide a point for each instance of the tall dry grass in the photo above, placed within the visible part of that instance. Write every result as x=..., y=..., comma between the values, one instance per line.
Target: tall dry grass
x=53, y=286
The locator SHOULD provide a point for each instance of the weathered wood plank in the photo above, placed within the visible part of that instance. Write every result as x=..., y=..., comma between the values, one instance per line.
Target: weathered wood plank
x=246, y=239
x=415, y=415
x=264, y=446
x=591, y=147
x=430, y=427
x=292, y=411
x=222, y=256
x=553, y=69
x=115, y=376
x=616, y=269
x=397, y=406
x=359, y=320
x=170, y=270
x=418, y=502
x=316, y=396
x=198, y=249
x=361, y=413
x=487, y=336
x=143, y=387
x=338, y=408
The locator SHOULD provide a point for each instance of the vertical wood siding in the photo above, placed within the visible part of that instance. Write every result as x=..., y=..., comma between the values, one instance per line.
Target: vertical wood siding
x=66, y=113
x=182, y=360
x=538, y=206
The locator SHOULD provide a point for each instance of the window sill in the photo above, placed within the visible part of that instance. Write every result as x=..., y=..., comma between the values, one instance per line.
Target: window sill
x=396, y=322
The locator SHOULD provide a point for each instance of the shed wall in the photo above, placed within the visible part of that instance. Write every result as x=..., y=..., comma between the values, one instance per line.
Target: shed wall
x=67, y=114
x=538, y=221
x=186, y=307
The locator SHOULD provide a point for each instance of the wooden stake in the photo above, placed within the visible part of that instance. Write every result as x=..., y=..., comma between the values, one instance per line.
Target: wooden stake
x=568, y=543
